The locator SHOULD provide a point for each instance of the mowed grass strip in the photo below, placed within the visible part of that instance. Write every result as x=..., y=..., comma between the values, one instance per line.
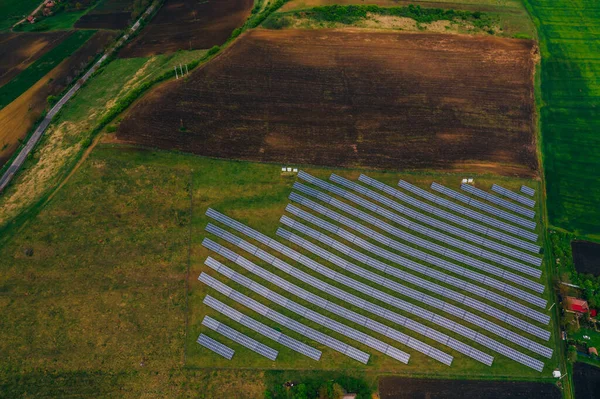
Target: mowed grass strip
x=23, y=81
x=570, y=92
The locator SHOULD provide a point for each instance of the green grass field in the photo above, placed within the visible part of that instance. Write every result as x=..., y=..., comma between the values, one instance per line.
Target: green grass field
x=27, y=78
x=570, y=46
x=61, y=21
x=12, y=11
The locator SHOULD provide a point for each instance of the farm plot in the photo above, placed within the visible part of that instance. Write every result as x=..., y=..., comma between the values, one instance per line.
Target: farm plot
x=189, y=25
x=410, y=388
x=587, y=380
x=18, y=51
x=569, y=114
x=387, y=100
x=18, y=117
x=586, y=257
x=111, y=14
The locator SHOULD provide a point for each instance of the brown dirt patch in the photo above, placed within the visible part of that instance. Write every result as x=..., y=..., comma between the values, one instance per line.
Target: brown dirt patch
x=17, y=118
x=19, y=50
x=409, y=388
x=351, y=98
x=189, y=25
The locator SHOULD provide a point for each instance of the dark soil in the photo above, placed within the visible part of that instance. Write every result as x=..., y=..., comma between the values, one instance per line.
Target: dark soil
x=189, y=25
x=352, y=99
x=19, y=50
x=104, y=21
x=587, y=381
x=586, y=256
x=409, y=388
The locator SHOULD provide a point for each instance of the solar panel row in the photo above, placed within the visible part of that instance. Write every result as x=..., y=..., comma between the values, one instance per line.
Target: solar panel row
x=474, y=238
x=513, y=196
x=525, y=282
x=347, y=297
x=423, y=298
x=436, y=288
x=285, y=321
x=483, y=206
x=498, y=201
x=315, y=299
x=478, y=277
x=467, y=247
x=439, y=320
x=215, y=346
x=318, y=318
x=240, y=338
x=261, y=328
x=528, y=190
x=468, y=212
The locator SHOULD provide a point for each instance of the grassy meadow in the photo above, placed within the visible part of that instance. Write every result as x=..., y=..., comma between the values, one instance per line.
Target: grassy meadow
x=570, y=48
x=12, y=11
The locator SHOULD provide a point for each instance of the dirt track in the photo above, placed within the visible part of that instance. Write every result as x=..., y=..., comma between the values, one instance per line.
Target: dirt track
x=189, y=25
x=340, y=98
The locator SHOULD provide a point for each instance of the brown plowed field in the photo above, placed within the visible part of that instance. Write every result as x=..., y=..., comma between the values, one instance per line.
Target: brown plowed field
x=19, y=50
x=117, y=20
x=342, y=98
x=189, y=25
x=18, y=117
x=409, y=388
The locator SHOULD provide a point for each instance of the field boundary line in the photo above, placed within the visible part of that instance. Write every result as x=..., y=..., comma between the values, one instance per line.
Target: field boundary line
x=187, y=274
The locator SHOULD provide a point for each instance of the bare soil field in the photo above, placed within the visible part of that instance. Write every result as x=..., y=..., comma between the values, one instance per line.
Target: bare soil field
x=17, y=119
x=352, y=98
x=118, y=20
x=586, y=256
x=19, y=50
x=587, y=381
x=409, y=388
x=189, y=25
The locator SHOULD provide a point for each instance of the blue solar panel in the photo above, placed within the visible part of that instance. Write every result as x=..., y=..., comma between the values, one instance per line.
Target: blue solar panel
x=215, y=346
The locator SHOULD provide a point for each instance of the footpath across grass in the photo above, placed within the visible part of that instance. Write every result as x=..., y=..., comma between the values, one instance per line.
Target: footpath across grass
x=27, y=78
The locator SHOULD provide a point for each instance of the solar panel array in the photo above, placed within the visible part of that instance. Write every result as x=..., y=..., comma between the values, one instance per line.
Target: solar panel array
x=410, y=308
x=316, y=300
x=484, y=207
x=431, y=233
x=498, y=201
x=528, y=190
x=420, y=282
x=341, y=294
x=474, y=238
x=260, y=328
x=513, y=196
x=409, y=250
x=318, y=318
x=240, y=338
x=285, y=321
x=215, y=346
x=423, y=298
x=468, y=212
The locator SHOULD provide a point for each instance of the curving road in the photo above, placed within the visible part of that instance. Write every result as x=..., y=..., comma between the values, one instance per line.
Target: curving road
x=18, y=161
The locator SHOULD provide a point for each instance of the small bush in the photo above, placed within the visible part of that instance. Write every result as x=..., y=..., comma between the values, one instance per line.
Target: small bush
x=214, y=50
x=111, y=128
x=277, y=22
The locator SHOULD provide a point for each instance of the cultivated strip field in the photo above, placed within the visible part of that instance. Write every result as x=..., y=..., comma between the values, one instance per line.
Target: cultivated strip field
x=355, y=275
x=339, y=98
x=189, y=25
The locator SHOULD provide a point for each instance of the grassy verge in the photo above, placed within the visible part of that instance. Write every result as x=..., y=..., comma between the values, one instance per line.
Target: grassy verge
x=27, y=78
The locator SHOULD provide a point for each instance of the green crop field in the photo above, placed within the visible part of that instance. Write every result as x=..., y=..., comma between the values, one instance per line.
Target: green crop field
x=61, y=21
x=570, y=93
x=27, y=78
x=12, y=11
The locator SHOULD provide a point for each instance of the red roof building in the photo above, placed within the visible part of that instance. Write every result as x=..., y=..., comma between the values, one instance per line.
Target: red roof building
x=576, y=305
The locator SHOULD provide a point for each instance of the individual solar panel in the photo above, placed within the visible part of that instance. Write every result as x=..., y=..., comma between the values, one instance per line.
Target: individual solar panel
x=365, y=305
x=488, y=342
x=240, y=338
x=215, y=346
x=421, y=255
x=483, y=206
x=528, y=190
x=474, y=238
x=279, y=318
x=268, y=332
x=498, y=201
x=309, y=314
x=513, y=196
x=470, y=213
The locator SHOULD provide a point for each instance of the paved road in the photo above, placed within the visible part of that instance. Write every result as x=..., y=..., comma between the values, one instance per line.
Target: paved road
x=35, y=137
